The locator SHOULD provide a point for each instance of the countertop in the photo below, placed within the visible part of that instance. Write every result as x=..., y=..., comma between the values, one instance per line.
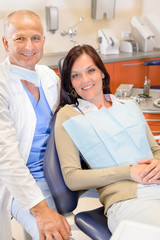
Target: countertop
x=146, y=104
x=51, y=59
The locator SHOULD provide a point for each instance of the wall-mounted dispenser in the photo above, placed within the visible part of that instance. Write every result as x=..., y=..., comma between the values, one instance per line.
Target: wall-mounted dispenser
x=142, y=34
x=103, y=9
x=52, y=18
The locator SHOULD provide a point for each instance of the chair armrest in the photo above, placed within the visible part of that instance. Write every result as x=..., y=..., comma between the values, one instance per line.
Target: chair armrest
x=94, y=224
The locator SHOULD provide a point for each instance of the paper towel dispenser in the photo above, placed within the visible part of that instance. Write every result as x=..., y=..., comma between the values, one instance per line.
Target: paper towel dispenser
x=102, y=8
x=51, y=18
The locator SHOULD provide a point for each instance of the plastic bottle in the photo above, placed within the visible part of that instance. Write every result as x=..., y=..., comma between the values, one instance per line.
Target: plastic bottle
x=146, y=88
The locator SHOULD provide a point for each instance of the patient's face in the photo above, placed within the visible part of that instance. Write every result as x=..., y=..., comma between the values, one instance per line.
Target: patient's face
x=86, y=79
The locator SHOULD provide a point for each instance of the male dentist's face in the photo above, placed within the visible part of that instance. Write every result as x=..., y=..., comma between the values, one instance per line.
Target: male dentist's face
x=24, y=41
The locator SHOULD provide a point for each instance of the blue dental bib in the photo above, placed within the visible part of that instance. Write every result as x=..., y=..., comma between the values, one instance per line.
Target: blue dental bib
x=111, y=137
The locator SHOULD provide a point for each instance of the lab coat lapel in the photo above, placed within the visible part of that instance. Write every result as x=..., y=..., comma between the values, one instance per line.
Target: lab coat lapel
x=25, y=119
x=50, y=84
x=22, y=112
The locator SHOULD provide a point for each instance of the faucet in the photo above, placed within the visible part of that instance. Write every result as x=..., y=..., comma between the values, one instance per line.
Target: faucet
x=72, y=33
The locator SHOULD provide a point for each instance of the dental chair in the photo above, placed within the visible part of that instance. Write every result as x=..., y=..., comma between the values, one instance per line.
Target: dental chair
x=93, y=223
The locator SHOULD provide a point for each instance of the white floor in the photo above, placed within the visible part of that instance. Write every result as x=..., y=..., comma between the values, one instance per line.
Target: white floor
x=84, y=204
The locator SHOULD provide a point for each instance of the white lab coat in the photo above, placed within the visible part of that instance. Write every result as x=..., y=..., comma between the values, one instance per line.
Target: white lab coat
x=17, y=125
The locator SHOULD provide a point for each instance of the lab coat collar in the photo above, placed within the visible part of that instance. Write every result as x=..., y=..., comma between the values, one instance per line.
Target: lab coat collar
x=42, y=71
x=17, y=85
x=46, y=77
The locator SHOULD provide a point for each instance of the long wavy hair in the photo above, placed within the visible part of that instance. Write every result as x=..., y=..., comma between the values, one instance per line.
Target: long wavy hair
x=66, y=85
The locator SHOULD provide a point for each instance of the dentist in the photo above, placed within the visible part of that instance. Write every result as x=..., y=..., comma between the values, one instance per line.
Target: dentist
x=29, y=94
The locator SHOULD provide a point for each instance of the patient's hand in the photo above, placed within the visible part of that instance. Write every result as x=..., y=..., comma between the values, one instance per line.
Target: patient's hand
x=135, y=173
x=151, y=173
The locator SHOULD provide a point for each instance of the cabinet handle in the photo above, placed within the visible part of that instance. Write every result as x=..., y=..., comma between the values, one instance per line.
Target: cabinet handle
x=153, y=120
x=132, y=64
x=157, y=137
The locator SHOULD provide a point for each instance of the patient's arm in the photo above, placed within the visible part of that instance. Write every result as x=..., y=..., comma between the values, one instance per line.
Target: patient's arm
x=151, y=173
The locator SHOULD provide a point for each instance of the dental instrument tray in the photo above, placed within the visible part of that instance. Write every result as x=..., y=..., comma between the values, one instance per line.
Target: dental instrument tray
x=124, y=90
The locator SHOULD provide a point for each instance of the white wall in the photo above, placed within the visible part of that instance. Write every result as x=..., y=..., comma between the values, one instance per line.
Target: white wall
x=69, y=13
x=151, y=7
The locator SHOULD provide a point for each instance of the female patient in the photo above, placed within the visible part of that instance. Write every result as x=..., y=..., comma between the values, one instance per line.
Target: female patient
x=113, y=138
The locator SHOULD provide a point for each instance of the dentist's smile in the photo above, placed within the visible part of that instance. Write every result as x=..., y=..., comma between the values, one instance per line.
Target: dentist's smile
x=28, y=55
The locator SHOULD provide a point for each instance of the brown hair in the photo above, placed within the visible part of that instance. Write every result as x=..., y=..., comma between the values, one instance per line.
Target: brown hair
x=66, y=86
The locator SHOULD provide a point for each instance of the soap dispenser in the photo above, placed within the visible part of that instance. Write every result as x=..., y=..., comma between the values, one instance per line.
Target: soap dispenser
x=146, y=88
